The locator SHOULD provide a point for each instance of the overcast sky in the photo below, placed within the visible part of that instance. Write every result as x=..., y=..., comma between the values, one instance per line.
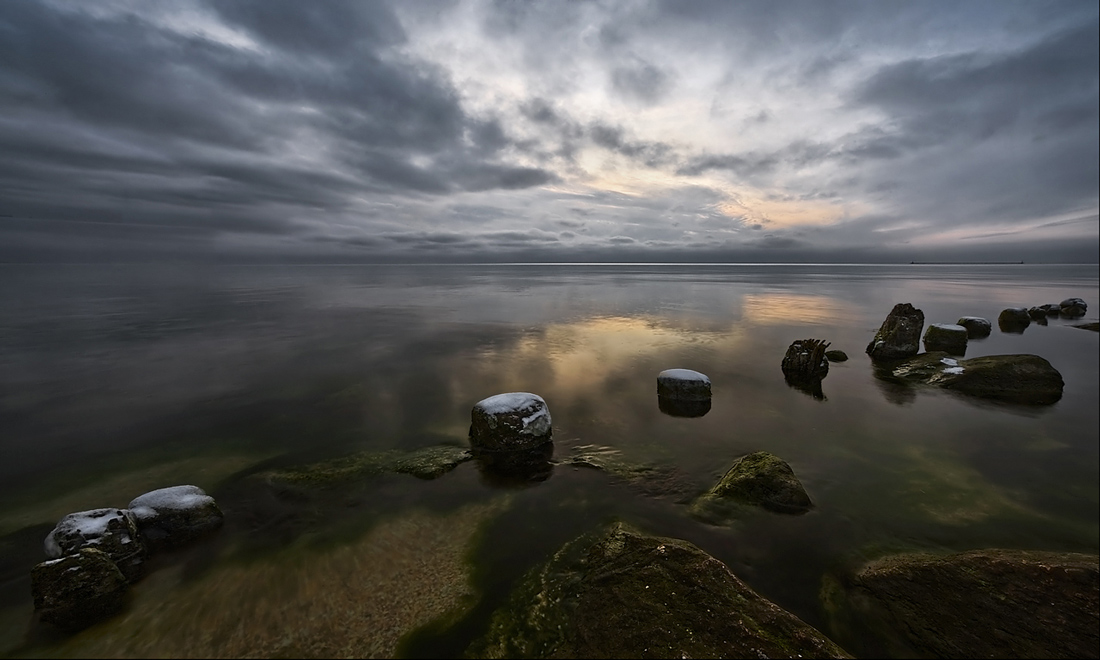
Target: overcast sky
x=549, y=131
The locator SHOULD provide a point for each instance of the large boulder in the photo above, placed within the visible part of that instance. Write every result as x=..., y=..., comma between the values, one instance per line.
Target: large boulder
x=78, y=589
x=976, y=326
x=978, y=604
x=1014, y=320
x=758, y=479
x=514, y=421
x=899, y=335
x=113, y=531
x=1026, y=379
x=624, y=594
x=946, y=337
x=169, y=517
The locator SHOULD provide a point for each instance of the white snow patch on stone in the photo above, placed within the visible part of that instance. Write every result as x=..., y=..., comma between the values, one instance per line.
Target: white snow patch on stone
x=953, y=370
x=510, y=402
x=176, y=498
x=682, y=374
x=951, y=362
x=90, y=525
x=949, y=327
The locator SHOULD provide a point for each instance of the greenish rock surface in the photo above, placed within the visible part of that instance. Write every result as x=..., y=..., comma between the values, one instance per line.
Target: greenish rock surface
x=624, y=594
x=836, y=356
x=78, y=589
x=1024, y=379
x=110, y=530
x=978, y=604
x=758, y=479
x=899, y=335
x=426, y=463
x=651, y=479
x=948, y=337
x=1095, y=327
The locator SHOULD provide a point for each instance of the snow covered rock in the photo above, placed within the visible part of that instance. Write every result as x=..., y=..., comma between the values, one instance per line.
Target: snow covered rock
x=113, y=531
x=513, y=421
x=171, y=516
x=683, y=385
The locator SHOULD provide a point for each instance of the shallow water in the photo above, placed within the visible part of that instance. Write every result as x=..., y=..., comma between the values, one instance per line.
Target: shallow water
x=115, y=380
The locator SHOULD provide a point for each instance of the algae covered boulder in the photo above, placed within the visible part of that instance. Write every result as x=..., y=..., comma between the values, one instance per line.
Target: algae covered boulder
x=169, y=517
x=625, y=594
x=1013, y=320
x=946, y=337
x=113, y=531
x=899, y=335
x=78, y=589
x=758, y=479
x=1021, y=378
x=977, y=604
x=514, y=421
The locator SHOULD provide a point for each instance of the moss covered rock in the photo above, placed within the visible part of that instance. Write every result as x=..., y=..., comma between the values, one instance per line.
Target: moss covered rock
x=78, y=589
x=899, y=335
x=113, y=531
x=759, y=479
x=425, y=463
x=624, y=594
x=513, y=421
x=979, y=604
x=1021, y=378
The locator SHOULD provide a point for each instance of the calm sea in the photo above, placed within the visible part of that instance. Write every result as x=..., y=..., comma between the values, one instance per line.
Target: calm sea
x=115, y=380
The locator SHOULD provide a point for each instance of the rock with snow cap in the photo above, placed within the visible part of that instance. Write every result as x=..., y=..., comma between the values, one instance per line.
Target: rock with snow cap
x=168, y=517
x=946, y=337
x=683, y=385
x=514, y=421
x=113, y=531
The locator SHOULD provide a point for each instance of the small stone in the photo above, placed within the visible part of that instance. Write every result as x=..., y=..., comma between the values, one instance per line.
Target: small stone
x=513, y=421
x=761, y=479
x=976, y=326
x=683, y=385
x=1014, y=320
x=946, y=337
x=836, y=356
x=1037, y=313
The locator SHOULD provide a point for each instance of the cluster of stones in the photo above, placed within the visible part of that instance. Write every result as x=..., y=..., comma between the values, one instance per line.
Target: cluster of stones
x=95, y=555
x=1017, y=319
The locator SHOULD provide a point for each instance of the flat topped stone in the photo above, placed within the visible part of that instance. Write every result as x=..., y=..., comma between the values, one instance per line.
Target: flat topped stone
x=948, y=337
x=174, y=515
x=683, y=384
x=512, y=421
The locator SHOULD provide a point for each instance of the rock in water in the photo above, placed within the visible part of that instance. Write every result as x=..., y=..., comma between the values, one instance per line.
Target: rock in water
x=1014, y=320
x=759, y=479
x=1073, y=307
x=515, y=421
x=976, y=326
x=78, y=589
x=683, y=385
x=946, y=337
x=899, y=335
x=981, y=604
x=805, y=359
x=624, y=594
x=836, y=356
x=1026, y=379
x=170, y=517
x=113, y=531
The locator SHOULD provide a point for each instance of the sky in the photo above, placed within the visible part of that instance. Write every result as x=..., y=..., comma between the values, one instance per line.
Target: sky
x=490, y=131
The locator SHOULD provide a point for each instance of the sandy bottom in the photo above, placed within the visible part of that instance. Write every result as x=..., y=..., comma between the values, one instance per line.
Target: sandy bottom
x=352, y=601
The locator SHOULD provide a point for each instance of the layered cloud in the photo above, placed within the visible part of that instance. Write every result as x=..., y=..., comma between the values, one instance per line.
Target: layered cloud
x=473, y=131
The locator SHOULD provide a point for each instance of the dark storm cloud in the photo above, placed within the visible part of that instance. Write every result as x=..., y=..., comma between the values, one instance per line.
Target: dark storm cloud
x=119, y=117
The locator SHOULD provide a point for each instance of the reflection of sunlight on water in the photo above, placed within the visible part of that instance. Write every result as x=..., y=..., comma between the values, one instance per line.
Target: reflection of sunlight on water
x=790, y=308
x=580, y=358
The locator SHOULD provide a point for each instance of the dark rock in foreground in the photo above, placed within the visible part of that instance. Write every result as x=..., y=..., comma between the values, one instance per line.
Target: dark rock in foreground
x=758, y=479
x=976, y=326
x=899, y=335
x=1014, y=320
x=836, y=356
x=78, y=589
x=113, y=531
x=946, y=337
x=169, y=517
x=982, y=604
x=630, y=595
x=1026, y=379
x=514, y=421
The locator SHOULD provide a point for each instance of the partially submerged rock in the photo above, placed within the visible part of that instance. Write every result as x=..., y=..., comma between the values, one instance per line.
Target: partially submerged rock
x=1014, y=320
x=899, y=335
x=976, y=326
x=1073, y=307
x=1095, y=327
x=836, y=356
x=424, y=463
x=683, y=385
x=78, y=589
x=625, y=594
x=173, y=516
x=981, y=604
x=946, y=337
x=758, y=479
x=113, y=531
x=514, y=421
x=1026, y=379
x=804, y=359
x=649, y=478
